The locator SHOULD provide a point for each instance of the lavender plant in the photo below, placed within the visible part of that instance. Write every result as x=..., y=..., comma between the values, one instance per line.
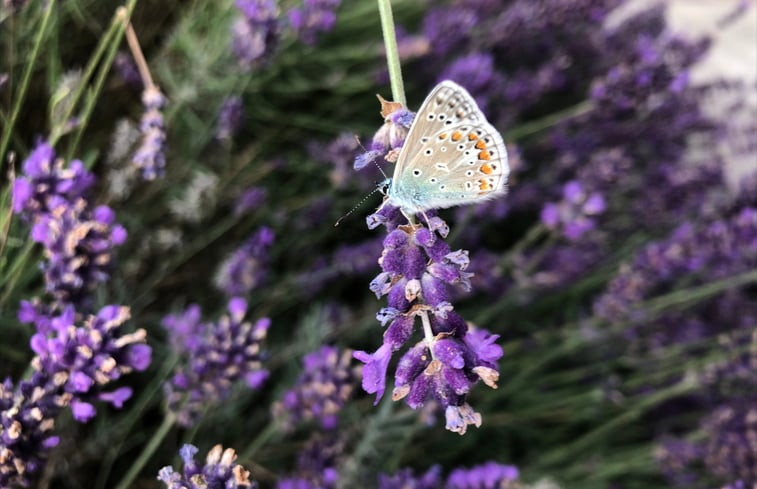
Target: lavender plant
x=616, y=277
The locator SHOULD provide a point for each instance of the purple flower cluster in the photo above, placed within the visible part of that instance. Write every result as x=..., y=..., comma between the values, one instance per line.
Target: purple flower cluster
x=390, y=137
x=150, y=157
x=418, y=266
x=246, y=268
x=85, y=359
x=214, y=357
x=490, y=475
x=78, y=239
x=716, y=250
x=314, y=17
x=316, y=466
x=326, y=383
x=218, y=472
x=230, y=118
x=256, y=32
x=251, y=199
x=574, y=215
x=74, y=366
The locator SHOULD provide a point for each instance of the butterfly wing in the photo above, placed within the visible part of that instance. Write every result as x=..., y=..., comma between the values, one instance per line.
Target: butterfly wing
x=452, y=155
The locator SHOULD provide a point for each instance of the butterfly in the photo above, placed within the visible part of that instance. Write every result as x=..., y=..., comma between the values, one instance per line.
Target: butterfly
x=451, y=156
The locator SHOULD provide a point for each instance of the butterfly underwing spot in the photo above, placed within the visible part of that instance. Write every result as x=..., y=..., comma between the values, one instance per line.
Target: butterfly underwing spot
x=433, y=180
x=442, y=167
x=456, y=136
x=428, y=152
x=469, y=173
x=486, y=169
x=416, y=172
x=431, y=116
x=424, y=140
x=449, y=122
x=443, y=149
x=480, y=145
x=442, y=187
x=441, y=117
x=472, y=136
x=443, y=136
x=484, y=155
x=468, y=185
x=483, y=185
x=460, y=147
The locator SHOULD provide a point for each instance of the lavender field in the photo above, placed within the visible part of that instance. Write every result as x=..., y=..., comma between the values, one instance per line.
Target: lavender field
x=544, y=273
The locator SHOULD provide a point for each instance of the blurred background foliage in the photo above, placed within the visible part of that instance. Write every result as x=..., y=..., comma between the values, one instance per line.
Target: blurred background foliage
x=617, y=341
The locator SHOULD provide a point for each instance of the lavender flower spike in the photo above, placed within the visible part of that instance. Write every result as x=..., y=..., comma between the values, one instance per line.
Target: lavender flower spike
x=216, y=355
x=313, y=18
x=150, y=156
x=326, y=382
x=255, y=33
x=418, y=267
x=246, y=268
x=219, y=471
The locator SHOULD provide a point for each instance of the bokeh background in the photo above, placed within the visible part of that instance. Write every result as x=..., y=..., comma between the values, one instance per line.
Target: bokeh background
x=197, y=192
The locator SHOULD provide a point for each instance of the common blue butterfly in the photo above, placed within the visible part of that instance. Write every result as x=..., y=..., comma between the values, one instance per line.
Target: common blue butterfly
x=451, y=156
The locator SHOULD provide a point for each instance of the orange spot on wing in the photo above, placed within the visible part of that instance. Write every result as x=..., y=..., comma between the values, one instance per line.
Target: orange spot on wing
x=484, y=155
x=443, y=135
x=456, y=136
x=483, y=185
x=472, y=137
x=480, y=145
x=486, y=168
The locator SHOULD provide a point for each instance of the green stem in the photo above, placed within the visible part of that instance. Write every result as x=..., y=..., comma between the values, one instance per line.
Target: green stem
x=123, y=14
x=259, y=441
x=26, y=79
x=392, y=54
x=152, y=445
x=538, y=125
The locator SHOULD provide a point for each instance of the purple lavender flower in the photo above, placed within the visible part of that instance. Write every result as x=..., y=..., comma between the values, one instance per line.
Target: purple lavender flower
x=418, y=266
x=78, y=240
x=313, y=18
x=730, y=450
x=85, y=359
x=339, y=155
x=45, y=178
x=716, y=250
x=78, y=245
x=127, y=69
x=477, y=73
x=490, y=475
x=316, y=466
x=573, y=216
x=230, y=118
x=256, y=32
x=251, y=199
x=405, y=479
x=150, y=156
x=215, y=356
x=27, y=419
x=246, y=268
x=326, y=383
x=219, y=471
x=390, y=137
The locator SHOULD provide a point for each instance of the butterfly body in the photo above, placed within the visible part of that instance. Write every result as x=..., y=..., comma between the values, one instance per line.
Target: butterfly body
x=451, y=156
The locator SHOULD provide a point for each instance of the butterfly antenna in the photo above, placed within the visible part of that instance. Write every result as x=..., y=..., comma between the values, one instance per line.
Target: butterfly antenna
x=357, y=206
x=357, y=139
